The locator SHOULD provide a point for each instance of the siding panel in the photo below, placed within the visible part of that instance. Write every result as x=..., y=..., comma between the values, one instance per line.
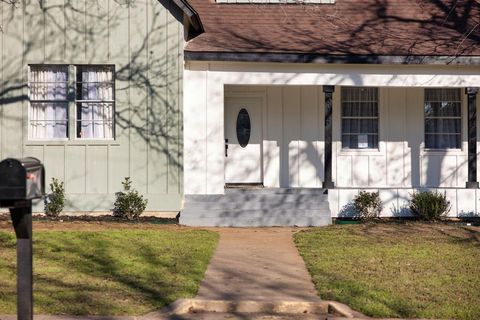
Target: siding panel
x=173, y=126
x=96, y=31
x=292, y=131
x=53, y=162
x=75, y=169
x=139, y=134
x=158, y=97
x=75, y=31
x=55, y=31
x=97, y=169
x=13, y=82
x=309, y=159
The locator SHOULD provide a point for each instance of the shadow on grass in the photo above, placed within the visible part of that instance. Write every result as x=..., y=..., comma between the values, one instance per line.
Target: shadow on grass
x=114, y=272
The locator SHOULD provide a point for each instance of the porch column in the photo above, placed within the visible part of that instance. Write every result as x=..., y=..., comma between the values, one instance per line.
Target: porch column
x=328, y=183
x=472, y=182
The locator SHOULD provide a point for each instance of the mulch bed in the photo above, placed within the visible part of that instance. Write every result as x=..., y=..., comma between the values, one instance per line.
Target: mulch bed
x=88, y=222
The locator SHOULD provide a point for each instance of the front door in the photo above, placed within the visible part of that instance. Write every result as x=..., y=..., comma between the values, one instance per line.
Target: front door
x=243, y=140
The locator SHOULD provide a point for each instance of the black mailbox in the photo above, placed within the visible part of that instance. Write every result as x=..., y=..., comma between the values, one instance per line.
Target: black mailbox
x=21, y=179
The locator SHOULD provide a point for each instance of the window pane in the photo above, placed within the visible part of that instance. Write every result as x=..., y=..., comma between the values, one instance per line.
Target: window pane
x=48, y=120
x=442, y=109
x=442, y=141
x=95, y=83
x=442, y=125
x=360, y=141
x=359, y=109
x=442, y=94
x=95, y=120
x=48, y=83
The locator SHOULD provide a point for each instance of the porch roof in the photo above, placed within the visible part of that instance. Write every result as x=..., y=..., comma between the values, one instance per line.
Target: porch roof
x=349, y=30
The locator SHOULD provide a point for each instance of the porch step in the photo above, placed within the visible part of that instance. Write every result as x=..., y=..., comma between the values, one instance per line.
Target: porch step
x=282, y=191
x=258, y=207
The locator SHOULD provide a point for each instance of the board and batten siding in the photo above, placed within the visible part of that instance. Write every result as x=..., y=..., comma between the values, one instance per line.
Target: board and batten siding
x=145, y=43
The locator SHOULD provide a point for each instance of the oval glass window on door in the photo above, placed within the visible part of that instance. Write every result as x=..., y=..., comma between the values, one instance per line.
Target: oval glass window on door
x=243, y=127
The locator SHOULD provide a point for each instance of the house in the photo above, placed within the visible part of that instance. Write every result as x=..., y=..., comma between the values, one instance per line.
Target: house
x=243, y=112
x=93, y=90
x=297, y=97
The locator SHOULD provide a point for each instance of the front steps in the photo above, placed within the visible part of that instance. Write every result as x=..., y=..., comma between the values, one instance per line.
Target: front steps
x=257, y=207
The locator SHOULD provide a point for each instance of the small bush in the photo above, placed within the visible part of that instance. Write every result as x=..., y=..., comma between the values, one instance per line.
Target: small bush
x=429, y=206
x=129, y=204
x=368, y=205
x=55, y=201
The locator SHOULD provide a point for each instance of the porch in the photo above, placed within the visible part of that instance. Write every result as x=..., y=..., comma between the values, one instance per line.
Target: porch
x=304, y=136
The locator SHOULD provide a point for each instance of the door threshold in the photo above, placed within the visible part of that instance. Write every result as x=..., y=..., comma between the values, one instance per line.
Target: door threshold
x=244, y=185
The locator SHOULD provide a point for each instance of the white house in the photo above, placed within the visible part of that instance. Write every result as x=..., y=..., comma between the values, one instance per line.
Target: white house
x=291, y=108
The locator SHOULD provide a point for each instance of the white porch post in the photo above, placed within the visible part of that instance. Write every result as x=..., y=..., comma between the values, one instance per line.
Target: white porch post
x=203, y=133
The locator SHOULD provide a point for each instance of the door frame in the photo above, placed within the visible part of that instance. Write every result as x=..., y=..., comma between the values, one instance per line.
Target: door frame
x=233, y=91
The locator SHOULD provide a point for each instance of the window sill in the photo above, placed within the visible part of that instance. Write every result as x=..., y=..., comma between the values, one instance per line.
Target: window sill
x=72, y=143
x=360, y=152
x=443, y=152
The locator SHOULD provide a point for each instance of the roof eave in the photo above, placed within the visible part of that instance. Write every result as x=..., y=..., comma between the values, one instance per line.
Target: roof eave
x=195, y=26
x=335, y=59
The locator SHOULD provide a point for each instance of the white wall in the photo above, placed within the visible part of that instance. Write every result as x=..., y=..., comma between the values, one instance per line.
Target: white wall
x=293, y=130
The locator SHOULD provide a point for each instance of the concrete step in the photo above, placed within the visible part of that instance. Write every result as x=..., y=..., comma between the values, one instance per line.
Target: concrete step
x=257, y=205
x=313, y=191
x=252, y=197
x=256, y=222
x=255, y=214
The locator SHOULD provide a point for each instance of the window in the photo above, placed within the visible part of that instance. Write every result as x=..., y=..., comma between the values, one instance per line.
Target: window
x=443, y=118
x=243, y=127
x=48, y=110
x=359, y=118
x=95, y=102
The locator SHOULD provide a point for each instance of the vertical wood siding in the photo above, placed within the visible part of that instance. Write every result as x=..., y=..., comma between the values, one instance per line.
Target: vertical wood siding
x=145, y=43
x=293, y=142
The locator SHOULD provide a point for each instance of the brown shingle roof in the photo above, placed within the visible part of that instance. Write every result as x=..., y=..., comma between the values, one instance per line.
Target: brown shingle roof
x=349, y=27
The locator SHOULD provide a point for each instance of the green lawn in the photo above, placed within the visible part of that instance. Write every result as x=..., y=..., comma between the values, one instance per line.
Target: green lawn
x=398, y=269
x=108, y=272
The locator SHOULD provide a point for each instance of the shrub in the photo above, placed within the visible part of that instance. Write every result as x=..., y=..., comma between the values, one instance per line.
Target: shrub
x=129, y=204
x=55, y=201
x=429, y=206
x=368, y=205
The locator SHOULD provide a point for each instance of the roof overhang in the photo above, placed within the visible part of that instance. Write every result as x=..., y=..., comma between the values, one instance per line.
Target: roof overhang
x=335, y=59
x=188, y=16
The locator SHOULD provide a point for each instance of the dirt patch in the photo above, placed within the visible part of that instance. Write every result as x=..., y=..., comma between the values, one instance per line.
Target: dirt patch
x=391, y=230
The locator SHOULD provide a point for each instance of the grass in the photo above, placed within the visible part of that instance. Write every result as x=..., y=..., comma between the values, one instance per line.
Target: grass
x=108, y=271
x=397, y=270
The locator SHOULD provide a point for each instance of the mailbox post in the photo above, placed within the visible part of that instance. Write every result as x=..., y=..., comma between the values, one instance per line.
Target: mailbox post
x=22, y=180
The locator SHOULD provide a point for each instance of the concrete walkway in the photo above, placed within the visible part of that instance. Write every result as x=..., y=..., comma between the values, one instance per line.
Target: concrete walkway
x=257, y=264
